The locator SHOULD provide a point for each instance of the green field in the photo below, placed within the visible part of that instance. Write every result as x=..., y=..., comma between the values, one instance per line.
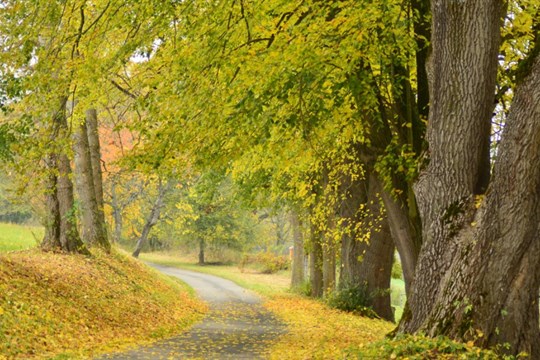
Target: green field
x=19, y=237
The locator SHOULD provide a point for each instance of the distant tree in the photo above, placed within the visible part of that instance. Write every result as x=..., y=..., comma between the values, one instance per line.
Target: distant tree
x=154, y=216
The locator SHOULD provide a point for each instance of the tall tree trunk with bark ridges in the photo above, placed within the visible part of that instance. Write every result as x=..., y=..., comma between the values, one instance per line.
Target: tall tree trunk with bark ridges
x=478, y=274
x=68, y=234
x=491, y=287
x=461, y=107
x=93, y=228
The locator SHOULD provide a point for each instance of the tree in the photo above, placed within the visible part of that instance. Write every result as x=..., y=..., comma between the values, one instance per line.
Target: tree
x=61, y=228
x=478, y=276
x=298, y=262
x=153, y=216
x=93, y=219
x=211, y=217
x=367, y=248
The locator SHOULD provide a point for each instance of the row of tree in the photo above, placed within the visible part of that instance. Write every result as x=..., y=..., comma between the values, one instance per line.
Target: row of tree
x=376, y=124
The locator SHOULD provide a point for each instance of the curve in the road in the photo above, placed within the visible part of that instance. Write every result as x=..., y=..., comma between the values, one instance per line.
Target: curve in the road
x=236, y=327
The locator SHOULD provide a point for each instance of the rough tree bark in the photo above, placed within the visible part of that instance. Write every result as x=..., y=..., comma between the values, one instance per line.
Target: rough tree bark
x=62, y=231
x=95, y=155
x=153, y=217
x=492, y=284
x=478, y=272
x=463, y=67
x=93, y=226
x=298, y=276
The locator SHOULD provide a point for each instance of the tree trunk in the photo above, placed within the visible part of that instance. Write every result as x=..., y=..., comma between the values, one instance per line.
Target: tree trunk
x=329, y=265
x=93, y=228
x=95, y=155
x=492, y=285
x=117, y=213
x=463, y=33
x=153, y=218
x=403, y=234
x=376, y=264
x=315, y=264
x=69, y=236
x=298, y=276
x=51, y=241
x=201, y=252
x=354, y=193
x=367, y=253
x=95, y=158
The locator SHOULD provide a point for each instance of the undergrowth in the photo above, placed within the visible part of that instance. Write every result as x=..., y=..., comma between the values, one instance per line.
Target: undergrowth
x=354, y=298
x=265, y=262
x=418, y=347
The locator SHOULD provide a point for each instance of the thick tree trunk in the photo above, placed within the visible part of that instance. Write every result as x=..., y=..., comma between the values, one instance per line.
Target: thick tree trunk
x=462, y=71
x=298, y=276
x=95, y=155
x=92, y=226
x=95, y=158
x=406, y=239
x=315, y=263
x=352, y=242
x=153, y=218
x=492, y=285
x=367, y=253
x=377, y=261
x=68, y=236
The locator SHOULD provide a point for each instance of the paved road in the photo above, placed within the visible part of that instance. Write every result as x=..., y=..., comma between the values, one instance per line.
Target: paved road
x=236, y=327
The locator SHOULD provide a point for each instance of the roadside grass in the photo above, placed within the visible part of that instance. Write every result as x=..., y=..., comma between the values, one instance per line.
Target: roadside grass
x=315, y=331
x=15, y=237
x=264, y=284
x=70, y=306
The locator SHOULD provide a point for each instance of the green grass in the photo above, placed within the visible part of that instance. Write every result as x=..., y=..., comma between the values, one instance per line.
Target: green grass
x=398, y=297
x=15, y=237
x=264, y=284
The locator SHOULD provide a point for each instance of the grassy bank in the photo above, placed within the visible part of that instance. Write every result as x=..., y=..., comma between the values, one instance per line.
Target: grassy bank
x=66, y=306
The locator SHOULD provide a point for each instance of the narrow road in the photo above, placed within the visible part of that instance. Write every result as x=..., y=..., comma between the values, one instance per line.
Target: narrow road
x=236, y=327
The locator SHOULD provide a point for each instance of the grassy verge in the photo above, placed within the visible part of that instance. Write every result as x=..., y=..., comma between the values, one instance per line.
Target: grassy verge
x=67, y=306
x=315, y=330
x=264, y=284
x=15, y=237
